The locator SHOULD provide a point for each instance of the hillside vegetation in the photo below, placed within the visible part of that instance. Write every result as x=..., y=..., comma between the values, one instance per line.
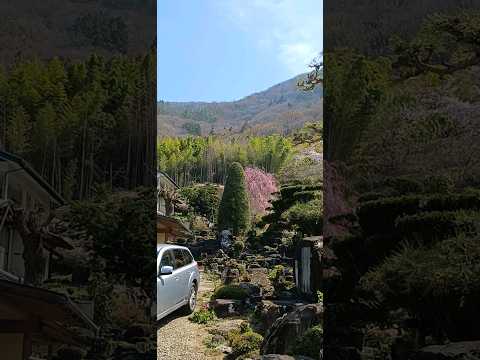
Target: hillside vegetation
x=279, y=109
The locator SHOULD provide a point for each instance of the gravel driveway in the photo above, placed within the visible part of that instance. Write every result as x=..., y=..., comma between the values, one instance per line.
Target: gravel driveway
x=180, y=339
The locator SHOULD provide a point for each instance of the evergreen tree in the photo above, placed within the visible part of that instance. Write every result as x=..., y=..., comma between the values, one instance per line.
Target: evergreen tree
x=234, y=211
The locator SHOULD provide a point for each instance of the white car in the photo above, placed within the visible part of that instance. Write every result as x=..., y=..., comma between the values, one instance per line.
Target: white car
x=178, y=279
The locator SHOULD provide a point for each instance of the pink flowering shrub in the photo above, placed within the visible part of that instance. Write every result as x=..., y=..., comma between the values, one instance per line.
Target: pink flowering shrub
x=260, y=186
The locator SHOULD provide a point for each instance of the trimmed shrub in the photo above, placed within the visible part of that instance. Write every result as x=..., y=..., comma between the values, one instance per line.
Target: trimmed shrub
x=244, y=341
x=232, y=292
x=307, y=216
x=379, y=216
x=435, y=225
x=204, y=199
x=310, y=343
x=443, y=279
x=202, y=316
x=234, y=210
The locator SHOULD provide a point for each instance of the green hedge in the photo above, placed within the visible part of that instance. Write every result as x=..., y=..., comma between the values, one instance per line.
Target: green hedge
x=232, y=292
x=379, y=216
x=436, y=225
x=441, y=279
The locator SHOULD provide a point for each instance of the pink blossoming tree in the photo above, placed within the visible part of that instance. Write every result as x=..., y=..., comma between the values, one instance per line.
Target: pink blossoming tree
x=260, y=185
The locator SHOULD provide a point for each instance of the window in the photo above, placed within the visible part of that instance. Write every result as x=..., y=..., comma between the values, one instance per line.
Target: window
x=167, y=259
x=180, y=260
x=188, y=257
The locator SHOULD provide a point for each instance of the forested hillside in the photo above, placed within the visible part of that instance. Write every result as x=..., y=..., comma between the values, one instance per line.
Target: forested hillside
x=279, y=109
x=82, y=124
x=74, y=29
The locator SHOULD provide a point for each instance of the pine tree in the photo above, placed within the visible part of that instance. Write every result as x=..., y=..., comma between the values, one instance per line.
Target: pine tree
x=234, y=210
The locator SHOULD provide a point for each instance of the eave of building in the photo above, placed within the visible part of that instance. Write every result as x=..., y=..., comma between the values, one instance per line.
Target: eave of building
x=166, y=176
x=56, y=311
x=171, y=225
x=23, y=165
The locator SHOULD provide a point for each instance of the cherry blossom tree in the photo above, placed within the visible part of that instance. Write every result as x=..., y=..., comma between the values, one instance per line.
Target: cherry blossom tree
x=261, y=185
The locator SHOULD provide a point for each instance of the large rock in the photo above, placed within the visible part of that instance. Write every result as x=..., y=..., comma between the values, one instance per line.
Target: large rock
x=282, y=336
x=230, y=275
x=226, y=307
x=269, y=311
x=465, y=350
x=260, y=278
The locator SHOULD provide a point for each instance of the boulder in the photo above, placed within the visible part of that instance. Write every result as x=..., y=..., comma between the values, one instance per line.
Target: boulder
x=260, y=278
x=226, y=307
x=253, y=290
x=267, y=312
x=283, y=334
x=464, y=350
x=230, y=275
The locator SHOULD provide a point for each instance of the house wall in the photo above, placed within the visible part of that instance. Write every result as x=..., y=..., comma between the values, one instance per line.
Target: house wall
x=161, y=238
x=161, y=206
x=11, y=346
x=24, y=192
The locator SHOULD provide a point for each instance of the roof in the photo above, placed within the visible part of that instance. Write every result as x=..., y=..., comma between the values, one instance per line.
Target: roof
x=166, y=176
x=172, y=224
x=6, y=156
x=53, y=309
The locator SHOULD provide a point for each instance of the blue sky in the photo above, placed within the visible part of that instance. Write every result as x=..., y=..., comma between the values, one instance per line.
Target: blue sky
x=223, y=50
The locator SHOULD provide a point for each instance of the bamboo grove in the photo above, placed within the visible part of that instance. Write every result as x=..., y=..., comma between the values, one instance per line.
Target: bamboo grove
x=82, y=124
x=206, y=159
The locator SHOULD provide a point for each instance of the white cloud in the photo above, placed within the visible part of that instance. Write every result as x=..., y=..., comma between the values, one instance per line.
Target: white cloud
x=291, y=28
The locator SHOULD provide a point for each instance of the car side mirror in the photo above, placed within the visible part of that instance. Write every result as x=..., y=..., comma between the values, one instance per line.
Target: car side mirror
x=166, y=270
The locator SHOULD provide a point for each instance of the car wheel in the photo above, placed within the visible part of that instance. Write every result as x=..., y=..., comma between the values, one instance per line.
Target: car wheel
x=192, y=300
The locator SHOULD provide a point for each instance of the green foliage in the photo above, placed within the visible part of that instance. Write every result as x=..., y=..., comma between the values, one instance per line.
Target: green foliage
x=122, y=227
x=436, y=225
x=310, y=133
x=306, y=216
x=232, y=292
x=206, y=159
x=77, y=123
x=202, y=114
x=192, y=128
x=244, y=341
x=204, y=199
x=310, y=343
x=277, y=277
x=203, y=316
x=99, y=29
x=378, y=216
x=357, y=85
x=238, y=246
x=234, y=212
x=427, y=280
x=17, y=132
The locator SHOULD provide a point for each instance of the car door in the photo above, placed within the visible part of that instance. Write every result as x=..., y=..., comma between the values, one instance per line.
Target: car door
x=190, y=266
x=166, y=284
x=181, y=271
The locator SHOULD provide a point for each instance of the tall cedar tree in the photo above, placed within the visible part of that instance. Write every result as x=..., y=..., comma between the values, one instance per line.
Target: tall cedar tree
x=234, y=211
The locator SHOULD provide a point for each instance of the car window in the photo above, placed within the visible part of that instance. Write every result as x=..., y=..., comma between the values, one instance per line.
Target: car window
x=167, y=259
x=179, y=258
x=188, y=257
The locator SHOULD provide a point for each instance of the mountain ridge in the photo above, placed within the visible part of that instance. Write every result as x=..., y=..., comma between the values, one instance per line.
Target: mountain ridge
x=279, y=109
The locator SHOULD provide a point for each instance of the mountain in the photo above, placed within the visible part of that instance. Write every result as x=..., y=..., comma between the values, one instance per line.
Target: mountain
x=279, y=109
x=75, y=29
